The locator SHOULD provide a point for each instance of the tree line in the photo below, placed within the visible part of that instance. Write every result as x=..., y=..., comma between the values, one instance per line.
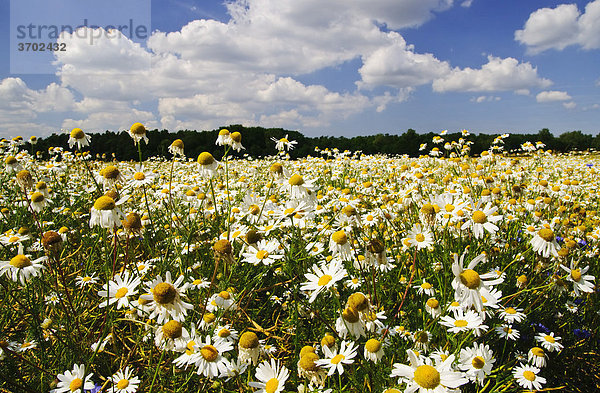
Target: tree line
x=258, y=143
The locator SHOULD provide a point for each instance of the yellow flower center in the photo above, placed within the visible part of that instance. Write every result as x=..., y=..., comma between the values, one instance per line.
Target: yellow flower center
x=77, y=133
x=478, y=362
x=121, y=292
x=324, y=280
x=460, y=323
x=224, y=131
x=479, y=217
x=172, y=329
x=75, y=384
x=14, y=239
x=123, y=384
x=296, y=180
x=262, y=254
x=138, y=129
x=10, y=160
x=510, y=310
x=104, y=203
x=373, y=345
x=427, y=376
x=224, y=295
x=139, y=176
x=529, y=375
x=20, y=261
x=449, y=207
x=350, y=315
x=576, y=275
x=339, y=237
x=223, y=246
x=236, y=136
x=426, y=285
x=284, y=140
x=420, y=237
x=254, y=209
x=550, y=339
x=209, y=317
x=164, y=293
x=546, y=234
x=307, y=361
x=223, y=333
x=37, y=197
x=537, y=351
x=433, y=303
x=209, y=353
x=205, y=158
x=110, y=172
x=422, y=337
x=427, y=209
x=358, y=301
x=337, y=358
x=177, y=143
x=470, y=279
x=249, y=340
x=271, y=385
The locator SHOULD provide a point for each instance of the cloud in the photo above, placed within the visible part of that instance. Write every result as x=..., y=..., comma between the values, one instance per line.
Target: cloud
x=569, y=105
x=496, y=75
x=397, y=65
x=557, y=28
x=466, y=3
x=20, y=106
x=481, y=99
x=552, y=95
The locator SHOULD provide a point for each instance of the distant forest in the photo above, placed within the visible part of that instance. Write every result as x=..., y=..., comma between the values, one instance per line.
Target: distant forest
x=257, y=142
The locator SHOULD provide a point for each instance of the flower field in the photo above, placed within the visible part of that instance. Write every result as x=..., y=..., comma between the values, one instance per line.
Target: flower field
x=340, y=272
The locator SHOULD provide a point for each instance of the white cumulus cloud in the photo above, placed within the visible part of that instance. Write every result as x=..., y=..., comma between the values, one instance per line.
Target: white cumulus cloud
x=557, y=28
x=552, y=95
x=496, y=75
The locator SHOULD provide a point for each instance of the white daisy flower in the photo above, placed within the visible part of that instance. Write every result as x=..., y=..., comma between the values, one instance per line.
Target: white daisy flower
x=120, y=288
x=527, y=376
x=165, y=299
x=549, y=342
x=483, y=220
x=422, y=376
x=21, y=268
x=124, y=381
x=74, y=381
x=537, y=356
x=335, y=360
x=463, y=321
x=272, y=377
x=581, y=282
x=323, y=277
x=477, y=362
x=208, y=358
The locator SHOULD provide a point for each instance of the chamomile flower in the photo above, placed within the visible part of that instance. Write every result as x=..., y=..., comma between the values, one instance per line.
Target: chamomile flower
x=83, y=281
x=549, y=342
x=209, y=359
x=469, y=286
x=463, y=321
x=284, y=143
x=265, y=252
x=21, y=268
x=582, y=282
x=106, y=213
x=208, y=164
x=482, y=221
x=223, y=138
x=527, y=376
x=165, y=299
x=334, y=360
x=138, y=133
x=477, y=362
x=119, y=290
x=124, y=381
x=507, y=332
x=512, y=315
x=425, y=377
x=544, y=243
x=537, y=357
x=271, y=376
x=79, y=138
x=425, y=289
x=176, y=148
x=420, y=237
x=373, y=350
x=74, y=381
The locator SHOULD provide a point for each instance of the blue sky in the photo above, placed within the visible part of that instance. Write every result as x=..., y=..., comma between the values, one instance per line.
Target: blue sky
x=336, y=67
